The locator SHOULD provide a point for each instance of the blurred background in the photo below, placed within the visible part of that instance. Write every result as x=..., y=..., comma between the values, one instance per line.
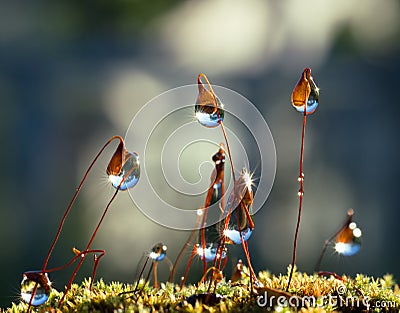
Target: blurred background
x=74, y=73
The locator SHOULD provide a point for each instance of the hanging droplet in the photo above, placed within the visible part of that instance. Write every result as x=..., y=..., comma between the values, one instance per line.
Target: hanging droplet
x=43, y=287
x=124, y=167
x=209, y=253
x=241, y=224
x=348, y=241
x=208, y=109
x=158, y=252
x=306, y=93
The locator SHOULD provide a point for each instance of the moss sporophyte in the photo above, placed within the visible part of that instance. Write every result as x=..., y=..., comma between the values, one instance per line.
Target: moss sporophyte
x=244, y=290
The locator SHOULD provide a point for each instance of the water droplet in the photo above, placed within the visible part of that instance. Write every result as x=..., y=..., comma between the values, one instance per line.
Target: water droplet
x=209, y=252
x=208, y=109
x=305, y=93
x=29, y=281
x=158, y=252
x=240, y=226
x=124, y=167
x=348, y=241
x=234, y=235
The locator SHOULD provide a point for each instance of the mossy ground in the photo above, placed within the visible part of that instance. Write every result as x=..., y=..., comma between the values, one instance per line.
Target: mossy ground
x=331, y=294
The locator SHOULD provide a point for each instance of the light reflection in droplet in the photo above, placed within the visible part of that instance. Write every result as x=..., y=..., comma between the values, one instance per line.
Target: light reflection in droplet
x=305, y=95
x=347, y=249
x=208, y=115
x=209, y=110
x=240, y=225
x=130, y=173
x=158, y=252
x=234, y=235
x=348, y=241
x=43, y=287
x=209, y=252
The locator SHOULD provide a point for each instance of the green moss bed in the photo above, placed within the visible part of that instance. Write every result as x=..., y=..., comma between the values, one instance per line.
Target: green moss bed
x=308, y=293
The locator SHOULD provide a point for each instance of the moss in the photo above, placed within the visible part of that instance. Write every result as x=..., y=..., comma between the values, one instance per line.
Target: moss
x=329, y=293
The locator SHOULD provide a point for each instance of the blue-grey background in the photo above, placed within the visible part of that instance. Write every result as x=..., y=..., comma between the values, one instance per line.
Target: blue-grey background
x=74, y=73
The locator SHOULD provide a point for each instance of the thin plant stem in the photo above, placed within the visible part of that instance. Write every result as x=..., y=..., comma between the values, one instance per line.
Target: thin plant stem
x=95, y=233
x=155, y=274
x=188, y=243
x=301, y=194
x=328, y=241
x=148, y=276
x=46, y=261
x=141, y=273
x=188, y=266
x=318, y=264
x=60, y=227
x=88, y=246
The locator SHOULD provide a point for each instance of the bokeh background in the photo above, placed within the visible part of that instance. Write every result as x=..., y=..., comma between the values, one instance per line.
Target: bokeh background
x=74, y=73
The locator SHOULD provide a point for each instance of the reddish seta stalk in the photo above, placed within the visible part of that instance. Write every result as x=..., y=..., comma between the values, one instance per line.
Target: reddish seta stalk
x=305, y=99
x=115, y=166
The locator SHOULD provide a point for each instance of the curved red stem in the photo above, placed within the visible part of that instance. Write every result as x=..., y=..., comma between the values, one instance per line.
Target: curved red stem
x=88, y=247
x=46, y=261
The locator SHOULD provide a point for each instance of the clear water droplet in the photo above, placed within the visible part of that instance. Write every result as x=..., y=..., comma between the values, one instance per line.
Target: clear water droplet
x=208, y=109
x=158, y=252
x=209, y=253
x=212, y=236
x=348, y=241
x=241, y=224
x=209, y=115
x=129, y=172
x=29, y=281
x=305, y=94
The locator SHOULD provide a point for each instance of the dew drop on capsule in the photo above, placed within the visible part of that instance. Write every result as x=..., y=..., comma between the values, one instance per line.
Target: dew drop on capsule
x=305, y=94
x=348, y=241
x=158, y=252
x=240, y=225
x=124, y=167
x=130, y=173
x=209, y=253
x=208, y=109
x=29, y=281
